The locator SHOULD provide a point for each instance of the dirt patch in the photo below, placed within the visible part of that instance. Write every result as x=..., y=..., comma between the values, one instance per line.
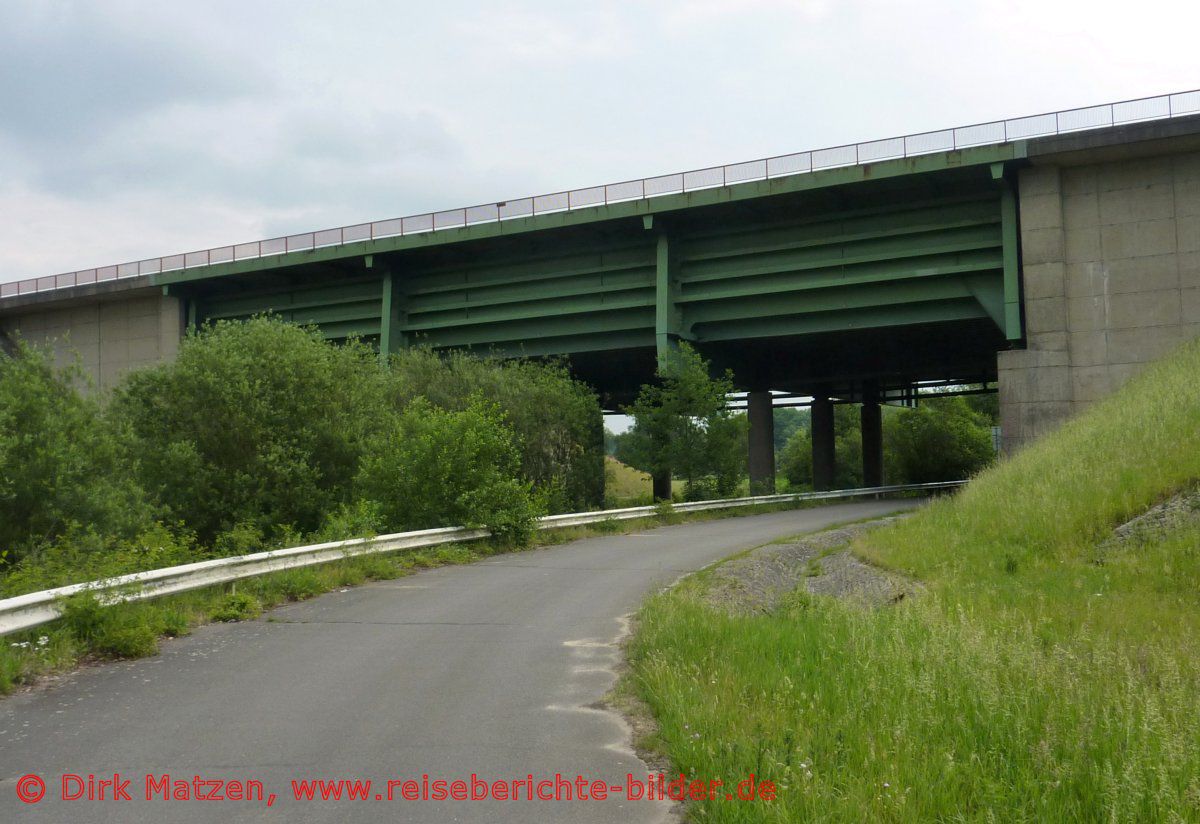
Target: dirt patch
x=821, y=564
x=1177, y=512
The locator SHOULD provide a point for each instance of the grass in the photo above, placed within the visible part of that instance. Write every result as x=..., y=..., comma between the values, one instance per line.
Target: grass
x=626, y=486
x=1038, y=678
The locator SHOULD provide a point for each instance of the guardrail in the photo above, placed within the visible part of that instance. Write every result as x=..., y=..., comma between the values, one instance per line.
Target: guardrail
x=855, y=154
x=36, y=608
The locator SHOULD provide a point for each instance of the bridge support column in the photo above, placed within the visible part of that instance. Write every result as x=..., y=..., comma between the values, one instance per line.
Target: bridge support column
x=822, y=443
x=391, y=315
x=871, y=426
x=762, y=442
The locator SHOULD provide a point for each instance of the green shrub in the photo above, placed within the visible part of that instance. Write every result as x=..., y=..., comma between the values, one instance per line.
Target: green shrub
x=127, y=639
x=85, y=555
x=557, y=420
x=349, y=575
x=268, y=418
x=61, y=463
x=119, y=631
x=943, y=439
x=435, y=468
x=174, y=622
x=375, y=567
x=237, y=606
x=360, y=519
x=298, y=584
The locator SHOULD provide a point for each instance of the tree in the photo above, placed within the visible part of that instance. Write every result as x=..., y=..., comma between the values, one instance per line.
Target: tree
x=795, y=461
x=60, y=463
x=557, y=419
x=258, y=423
x=682, y=424
x=632, y=448
x=434, y=468
x=943, y=439
x=788, y=421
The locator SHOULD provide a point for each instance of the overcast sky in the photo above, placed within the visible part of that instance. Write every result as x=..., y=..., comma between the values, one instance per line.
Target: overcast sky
x=136, y=129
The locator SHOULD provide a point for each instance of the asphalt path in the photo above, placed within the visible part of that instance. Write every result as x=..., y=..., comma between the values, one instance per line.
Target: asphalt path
x=493, y=669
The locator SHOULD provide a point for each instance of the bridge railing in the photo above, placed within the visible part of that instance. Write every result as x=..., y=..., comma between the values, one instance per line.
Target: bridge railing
x=36, y=608
x=856, y=154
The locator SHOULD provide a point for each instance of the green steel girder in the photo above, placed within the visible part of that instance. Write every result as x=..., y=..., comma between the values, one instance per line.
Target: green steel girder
x=533, y=271
x=746, y=262
x=581, y=288
x=878, y=295
x=902, y=167
x=899, y=259
x=849, y=226
x=292, y=297
x=391, y=316
x=551, y=307
x=1013, y=327
x=627, y=320
x=784, y=282
x=872, y=317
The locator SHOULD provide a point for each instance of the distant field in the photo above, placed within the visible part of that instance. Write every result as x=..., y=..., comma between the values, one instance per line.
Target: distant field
x=626, y=486
x=1046, y=673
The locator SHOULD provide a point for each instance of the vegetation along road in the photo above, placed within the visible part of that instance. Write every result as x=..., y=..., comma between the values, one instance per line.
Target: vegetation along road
x=493, y=668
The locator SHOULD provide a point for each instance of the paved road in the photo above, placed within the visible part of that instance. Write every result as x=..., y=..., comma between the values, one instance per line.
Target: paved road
x=491, y=668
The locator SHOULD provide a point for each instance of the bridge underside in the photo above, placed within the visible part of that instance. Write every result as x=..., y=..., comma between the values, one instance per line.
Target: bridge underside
x=890, y=280
x=837, y=364
x=850, y=290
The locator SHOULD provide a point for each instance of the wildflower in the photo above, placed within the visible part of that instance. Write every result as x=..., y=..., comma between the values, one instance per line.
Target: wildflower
x=42, y=641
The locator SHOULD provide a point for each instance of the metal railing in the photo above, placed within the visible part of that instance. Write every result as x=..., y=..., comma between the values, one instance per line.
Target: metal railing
x=961, y=137
x=36, y=608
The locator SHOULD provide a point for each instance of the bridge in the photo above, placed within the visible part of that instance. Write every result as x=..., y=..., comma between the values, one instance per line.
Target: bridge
x=1049, y=255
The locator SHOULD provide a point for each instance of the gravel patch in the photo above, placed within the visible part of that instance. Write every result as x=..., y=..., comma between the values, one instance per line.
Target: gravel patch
x=821, y=564
x=1180, y=511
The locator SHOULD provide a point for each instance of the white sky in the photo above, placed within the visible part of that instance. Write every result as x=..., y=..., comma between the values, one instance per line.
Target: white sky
x=136, y=129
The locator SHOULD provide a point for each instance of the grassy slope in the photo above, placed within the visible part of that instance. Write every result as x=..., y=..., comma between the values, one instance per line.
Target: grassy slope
x=626, y=486
x=1039, y=679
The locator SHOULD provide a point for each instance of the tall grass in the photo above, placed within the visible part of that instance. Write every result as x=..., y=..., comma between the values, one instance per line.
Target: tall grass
x=1043, y=675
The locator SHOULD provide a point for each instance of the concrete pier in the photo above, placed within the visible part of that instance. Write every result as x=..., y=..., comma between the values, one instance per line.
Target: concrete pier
x=822, y=443
x=762, y=442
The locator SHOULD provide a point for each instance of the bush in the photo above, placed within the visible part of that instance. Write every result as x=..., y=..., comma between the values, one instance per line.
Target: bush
x=258, y=423
x=237, y=606
x=557, y=420
x=795, y=462
x=436, y=468
x=121, y=631
x=85, y=555
x=943, y=439
x=62, y=467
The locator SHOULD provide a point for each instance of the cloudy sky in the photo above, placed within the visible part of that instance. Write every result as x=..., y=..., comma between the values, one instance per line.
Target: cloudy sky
x=135, y=129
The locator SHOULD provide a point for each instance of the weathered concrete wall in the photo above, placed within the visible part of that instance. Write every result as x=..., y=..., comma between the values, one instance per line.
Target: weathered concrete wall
x=1111, y=278
x=111, y=337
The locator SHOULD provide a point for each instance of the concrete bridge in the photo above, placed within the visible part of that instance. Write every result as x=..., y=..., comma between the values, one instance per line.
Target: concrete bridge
x=1053, y=255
